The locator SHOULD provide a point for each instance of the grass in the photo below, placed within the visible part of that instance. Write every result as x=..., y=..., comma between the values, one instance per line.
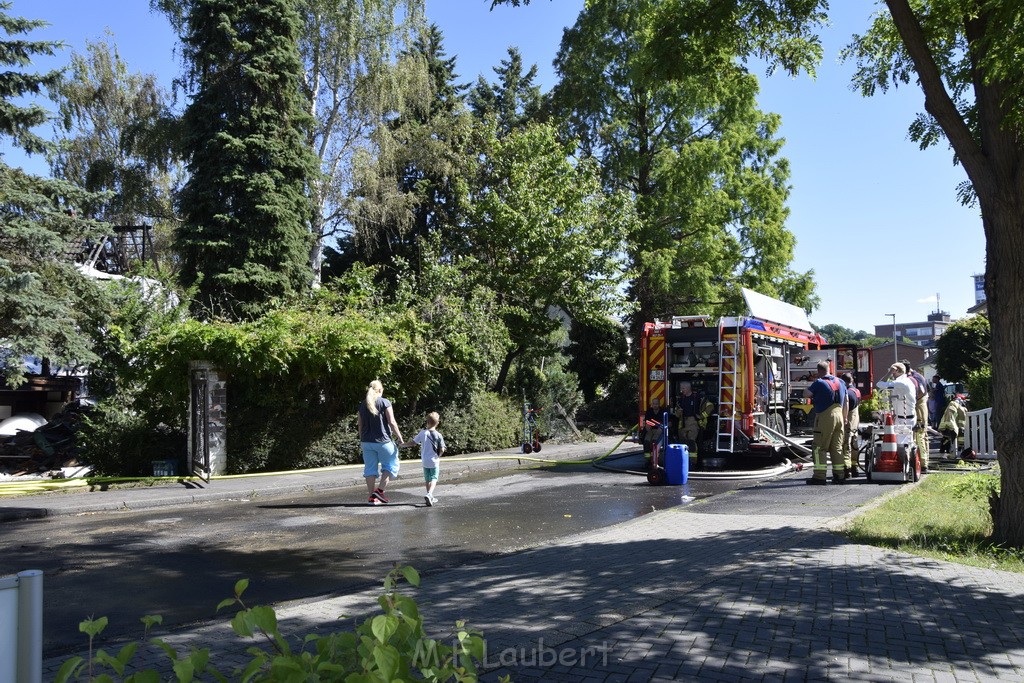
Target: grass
x=945, y=517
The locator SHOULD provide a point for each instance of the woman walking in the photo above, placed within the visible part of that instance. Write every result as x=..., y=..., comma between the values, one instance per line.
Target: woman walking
x=376, y=423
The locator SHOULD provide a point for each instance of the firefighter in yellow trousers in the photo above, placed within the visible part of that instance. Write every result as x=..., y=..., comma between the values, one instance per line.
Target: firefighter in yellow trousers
x=828, y=397
x=920, y=413
x=851, y=457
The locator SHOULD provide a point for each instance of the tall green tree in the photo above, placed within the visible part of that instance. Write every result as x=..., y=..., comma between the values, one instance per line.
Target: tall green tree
x=114, y=138
x=245, y=239
x=353, y=80
x=700, y=157
x=544, y=236
x=44, y=302
x=965, y=55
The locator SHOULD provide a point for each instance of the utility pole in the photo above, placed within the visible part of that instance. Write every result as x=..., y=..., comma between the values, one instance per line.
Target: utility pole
x=895, y=348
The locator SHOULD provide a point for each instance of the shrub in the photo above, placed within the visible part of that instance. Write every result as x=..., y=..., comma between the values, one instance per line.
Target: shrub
x=119, y=441
x=391, y=646
x=489, y=422
x=979, y=387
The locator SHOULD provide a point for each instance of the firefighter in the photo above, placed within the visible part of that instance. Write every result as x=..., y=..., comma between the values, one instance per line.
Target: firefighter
x=828, y=397
x=920, y=413
x=952, y=424
x=850, y=455
x=687, y=412
x=652, y=432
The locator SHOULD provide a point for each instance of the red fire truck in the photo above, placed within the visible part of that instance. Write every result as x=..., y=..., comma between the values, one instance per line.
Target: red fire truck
x=750, y=369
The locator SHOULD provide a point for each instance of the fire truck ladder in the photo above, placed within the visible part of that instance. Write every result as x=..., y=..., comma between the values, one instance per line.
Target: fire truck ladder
x=728, y=368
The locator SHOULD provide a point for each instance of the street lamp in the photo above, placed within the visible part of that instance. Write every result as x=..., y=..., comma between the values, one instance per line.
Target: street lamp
x=895, y=348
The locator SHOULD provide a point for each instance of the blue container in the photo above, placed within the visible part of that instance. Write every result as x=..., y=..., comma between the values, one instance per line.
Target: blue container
x=677, y=464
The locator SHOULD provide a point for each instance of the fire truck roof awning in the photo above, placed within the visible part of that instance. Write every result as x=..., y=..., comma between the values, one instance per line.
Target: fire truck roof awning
x=767, y=308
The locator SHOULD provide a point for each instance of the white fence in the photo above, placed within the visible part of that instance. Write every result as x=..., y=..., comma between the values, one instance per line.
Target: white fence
x=978, y=434
x=21, y=627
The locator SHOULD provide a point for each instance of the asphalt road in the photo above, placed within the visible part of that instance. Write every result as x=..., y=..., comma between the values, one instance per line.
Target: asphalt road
x=181, y=562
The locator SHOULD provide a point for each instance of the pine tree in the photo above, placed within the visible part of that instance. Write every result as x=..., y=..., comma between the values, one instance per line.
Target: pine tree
x=45, y=303
x=245, y=240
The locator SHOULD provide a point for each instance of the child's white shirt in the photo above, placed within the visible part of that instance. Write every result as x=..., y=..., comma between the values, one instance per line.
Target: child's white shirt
x=429, y=456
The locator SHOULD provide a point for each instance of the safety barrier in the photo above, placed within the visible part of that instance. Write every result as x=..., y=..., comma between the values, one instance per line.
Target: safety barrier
x=978, y=434
x=21, y=627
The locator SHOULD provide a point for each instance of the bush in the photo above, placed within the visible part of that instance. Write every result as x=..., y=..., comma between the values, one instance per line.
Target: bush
x=119, y=441
x=979, y=387
x=281, y=424
x=391, y=646
x=488, y=423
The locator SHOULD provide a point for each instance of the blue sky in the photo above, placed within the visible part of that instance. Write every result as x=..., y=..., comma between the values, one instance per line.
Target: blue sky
x=875, y=217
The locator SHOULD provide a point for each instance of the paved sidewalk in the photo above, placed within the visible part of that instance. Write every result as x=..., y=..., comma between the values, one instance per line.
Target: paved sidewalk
x=699, y=593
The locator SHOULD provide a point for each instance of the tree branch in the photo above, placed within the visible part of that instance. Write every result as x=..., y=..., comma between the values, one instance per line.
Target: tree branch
x=937, y=101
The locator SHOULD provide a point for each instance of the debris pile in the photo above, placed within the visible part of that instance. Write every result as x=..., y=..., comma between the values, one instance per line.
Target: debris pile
x=49, y=451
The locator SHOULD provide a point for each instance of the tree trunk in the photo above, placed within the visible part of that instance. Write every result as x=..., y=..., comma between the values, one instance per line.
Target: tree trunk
x=1004, y=288
x=506, y=365
x=316, y=259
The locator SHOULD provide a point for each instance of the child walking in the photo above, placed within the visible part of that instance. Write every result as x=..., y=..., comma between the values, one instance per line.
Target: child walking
x=431, y=449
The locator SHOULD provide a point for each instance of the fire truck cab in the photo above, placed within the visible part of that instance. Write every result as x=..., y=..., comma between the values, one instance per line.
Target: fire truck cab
x=750, y=372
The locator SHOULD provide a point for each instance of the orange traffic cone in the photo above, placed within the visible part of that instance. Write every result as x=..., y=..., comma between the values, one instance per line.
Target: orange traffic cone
x=888, y=463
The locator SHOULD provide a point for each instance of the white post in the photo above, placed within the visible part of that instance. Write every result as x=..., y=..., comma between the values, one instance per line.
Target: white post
x=30, y=626
x=21, y=627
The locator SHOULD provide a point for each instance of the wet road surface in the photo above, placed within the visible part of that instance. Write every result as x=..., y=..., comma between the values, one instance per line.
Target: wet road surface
x=180, y=563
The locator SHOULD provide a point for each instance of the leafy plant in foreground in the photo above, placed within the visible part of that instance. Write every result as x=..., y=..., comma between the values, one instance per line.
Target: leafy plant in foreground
x=391, y=646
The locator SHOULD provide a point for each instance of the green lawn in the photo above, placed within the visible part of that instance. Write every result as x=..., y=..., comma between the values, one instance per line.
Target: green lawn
x=945, y=517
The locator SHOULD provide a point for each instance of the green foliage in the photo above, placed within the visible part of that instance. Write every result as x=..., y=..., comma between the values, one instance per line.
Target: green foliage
x=486, y=422
x=415, y=186
x=44, y=302
x=545, y=236
x=979, y=387
x=693, y=148
x=119, y=440
x=514, y=101
x=837, y=334
x=964, y=347
x=245, y=238
x=390, y=646
x=596, y=351
x=618, y=404
x=867, y=407
x=114, y=136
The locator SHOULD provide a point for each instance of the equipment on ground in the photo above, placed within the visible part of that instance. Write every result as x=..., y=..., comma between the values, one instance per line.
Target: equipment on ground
x=531, y=432
x=894, y=455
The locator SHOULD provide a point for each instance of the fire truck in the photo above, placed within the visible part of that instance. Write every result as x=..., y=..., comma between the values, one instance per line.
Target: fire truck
x=750, y=371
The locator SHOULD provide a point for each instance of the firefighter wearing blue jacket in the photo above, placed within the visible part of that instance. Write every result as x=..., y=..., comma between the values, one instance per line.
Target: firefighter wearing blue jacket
x=828, y=398
x=851, y=458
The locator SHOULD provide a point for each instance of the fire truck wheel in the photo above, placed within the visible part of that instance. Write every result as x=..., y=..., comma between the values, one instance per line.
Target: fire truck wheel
x=526, y=448
x=656, y=476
